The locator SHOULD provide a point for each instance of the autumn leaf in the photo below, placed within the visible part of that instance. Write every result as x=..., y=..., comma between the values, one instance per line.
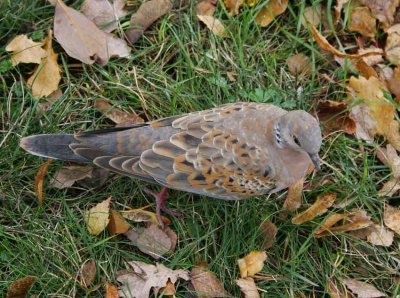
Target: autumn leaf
x=248, y=287
x=20, y=287
x=392, y=46
x=146, y=277
x=39, y=180
x=362, y=21
x=213, y=24
x=390, y=158
x=25, y=50
x=116, y=115
x=97, y=217
x=206, y=7
x=299, y=64
x=362, y=289
x=233, y=6
x=206, y=283
x=47, y=76
x=383, y=10
x=334, y=116
x=393, y=83
x=380, y=236
x=293, y=199
x=117, y=224
x=146, y=15
x=252, y=263
x=312, y=14
x=391, y=218
x=68, y=175
x=334, y=291
x=111, y=291
x=104, y=13
x=320, y=206
x=268, y=233
x=270, y=11
x=141, y=215
x=88, y=272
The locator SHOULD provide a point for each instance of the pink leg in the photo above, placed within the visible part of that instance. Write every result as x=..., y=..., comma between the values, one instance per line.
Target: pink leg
x=160, y=204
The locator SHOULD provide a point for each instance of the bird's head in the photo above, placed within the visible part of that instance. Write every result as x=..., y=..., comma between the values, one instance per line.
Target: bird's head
x=300, y=131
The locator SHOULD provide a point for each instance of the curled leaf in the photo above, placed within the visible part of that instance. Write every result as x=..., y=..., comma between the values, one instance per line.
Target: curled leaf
x=252, y=263
x=320, y=206
x=293, y=199
x=39, y=180
x=117, y=224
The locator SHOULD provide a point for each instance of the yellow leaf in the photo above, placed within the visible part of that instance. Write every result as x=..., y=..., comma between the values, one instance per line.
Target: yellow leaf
x=25, y=50
x=320, y=206
x=39, y=180
x=46, y=77
x=213, y=24
x=111, y=290
x=97, y=218
x=270, y=11
x=117, y=224
x=252, y=263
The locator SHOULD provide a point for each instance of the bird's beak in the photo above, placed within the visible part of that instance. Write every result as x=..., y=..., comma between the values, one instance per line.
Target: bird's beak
x=315, y=159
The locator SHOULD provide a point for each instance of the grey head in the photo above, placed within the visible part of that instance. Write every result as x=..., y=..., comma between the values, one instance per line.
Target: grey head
x=300, y=131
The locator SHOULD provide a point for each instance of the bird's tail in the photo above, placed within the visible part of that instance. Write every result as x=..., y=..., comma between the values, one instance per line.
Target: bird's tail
x=52, y=146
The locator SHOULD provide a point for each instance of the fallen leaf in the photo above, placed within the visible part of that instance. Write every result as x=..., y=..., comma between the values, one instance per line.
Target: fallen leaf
x=380, y=236
x=331, y=221
x=362, y=21
x=393, y=83
x=268, y=233
x=116, y=115
x=334, y=116
x=248, y=287
x=82, y=39
x=111, y=291
x=299, y=64
x=390, y=158
x=362, y=289
x=270, y=11
x=47, y=76
x=153, y=240
x=391, y=218
x=67, y=176
x=293, y=199
x=372, y=59
x=20, y=287
x=145, y=277
x=233, y=6
x=140, y=215
x=39, y=180
x=392, y=46
x=206, y=7
x=168, y=290
x=206, y=283
x=320, y=206
x=25, y=50
x=334, y=291
x=88, y=272
x=383, y=10
x=104, y=13
x=375, y=115
x=146, y=15
x=213, y=24
x=252, y=263
x=97, y=217
x=312, y=14
x=117, y=224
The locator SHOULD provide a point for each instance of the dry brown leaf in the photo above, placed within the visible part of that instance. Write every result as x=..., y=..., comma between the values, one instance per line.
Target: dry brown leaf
x=67, y=176
x=248, y=287
x=25, y=50
x=168, y=290
x=338, y=9
x=116, y=115
x=374, y=116
x=362, y=289
x=97, y=217
x=206, y=283
x=145, y=277
x=206, y=7
x=81, y=38
x=213, y=24
x=312, y=14
x=383, y=10
x=268, y=233
x=47, y=76
x=334, y=291
x=252, y=263
x=380, y=236
x=20, y=287
x=392, y=46
x=233, y=6
x=104, y=13
x=331, y=221
x=390, y=158
x=88, y=272
x=39, y=180
x=140, y=215
x=373, y=59
x=153, y=240
x=146, y=15
x=270, y=11
x=393, y=83
x=391, y=218
x=111, y=291
x=117, y=224
x=293, y=199
x=335, y=117
x=320, y=206
x=362, y=21
x=299, y=64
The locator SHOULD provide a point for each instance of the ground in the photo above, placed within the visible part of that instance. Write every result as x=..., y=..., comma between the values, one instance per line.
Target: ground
x=178, y=67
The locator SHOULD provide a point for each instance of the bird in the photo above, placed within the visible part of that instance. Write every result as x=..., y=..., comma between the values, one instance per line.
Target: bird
x=231, y=152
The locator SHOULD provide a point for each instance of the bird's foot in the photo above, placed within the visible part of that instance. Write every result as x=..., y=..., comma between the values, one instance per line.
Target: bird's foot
x=160, y=204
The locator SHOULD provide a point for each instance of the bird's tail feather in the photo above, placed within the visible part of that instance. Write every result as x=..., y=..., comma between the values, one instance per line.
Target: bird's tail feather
x=52, y=146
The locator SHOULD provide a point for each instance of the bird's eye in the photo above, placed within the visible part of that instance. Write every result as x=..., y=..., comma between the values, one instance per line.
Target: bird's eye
x=296, y=140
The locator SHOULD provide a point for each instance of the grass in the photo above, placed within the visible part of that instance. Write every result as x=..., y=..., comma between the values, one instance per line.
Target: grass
x=177, y=67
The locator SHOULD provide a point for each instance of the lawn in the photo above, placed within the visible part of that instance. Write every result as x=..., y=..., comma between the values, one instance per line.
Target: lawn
x=179, y=66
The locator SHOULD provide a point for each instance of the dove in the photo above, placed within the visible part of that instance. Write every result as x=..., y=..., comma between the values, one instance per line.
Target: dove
x=232, y=152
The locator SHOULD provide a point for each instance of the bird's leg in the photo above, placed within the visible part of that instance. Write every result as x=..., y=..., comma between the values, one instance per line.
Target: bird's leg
x=160, y=204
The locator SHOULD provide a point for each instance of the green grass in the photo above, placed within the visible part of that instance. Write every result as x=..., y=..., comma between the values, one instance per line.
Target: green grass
x=177, y=67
